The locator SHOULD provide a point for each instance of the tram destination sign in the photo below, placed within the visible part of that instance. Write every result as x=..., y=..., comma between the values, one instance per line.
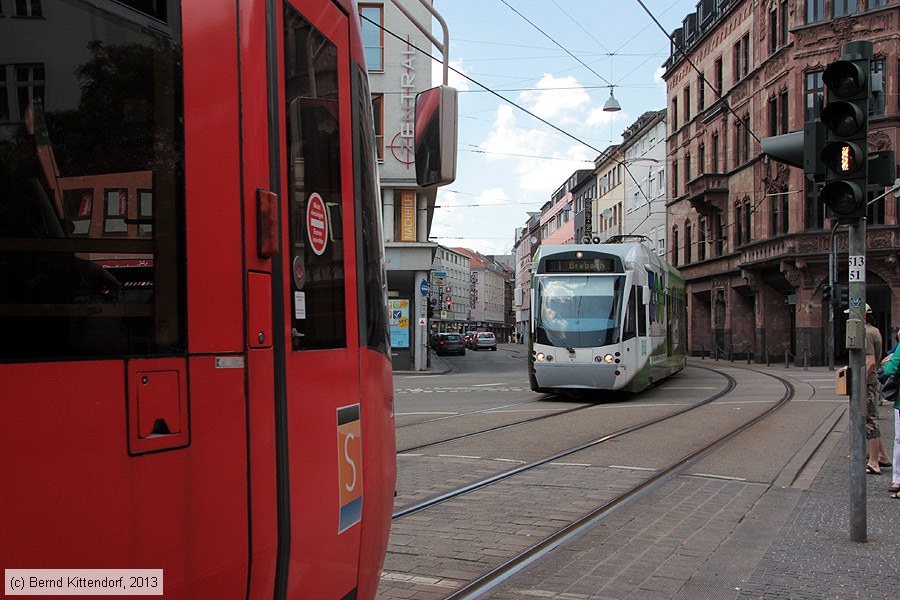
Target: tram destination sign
x=580, y=265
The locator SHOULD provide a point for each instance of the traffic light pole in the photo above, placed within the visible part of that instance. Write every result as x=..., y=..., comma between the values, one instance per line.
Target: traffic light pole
x=856, y=343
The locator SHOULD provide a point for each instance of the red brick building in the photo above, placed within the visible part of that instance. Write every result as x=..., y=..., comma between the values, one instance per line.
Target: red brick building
x=749, y=234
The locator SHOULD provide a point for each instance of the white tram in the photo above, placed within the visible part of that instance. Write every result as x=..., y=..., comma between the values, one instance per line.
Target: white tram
x=605, y=317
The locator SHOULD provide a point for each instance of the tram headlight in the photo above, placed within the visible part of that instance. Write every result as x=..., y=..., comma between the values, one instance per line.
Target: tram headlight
x=539, y=357
x=609, y=359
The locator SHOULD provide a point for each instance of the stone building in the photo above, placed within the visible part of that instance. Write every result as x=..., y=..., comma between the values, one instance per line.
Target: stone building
x=750, y=234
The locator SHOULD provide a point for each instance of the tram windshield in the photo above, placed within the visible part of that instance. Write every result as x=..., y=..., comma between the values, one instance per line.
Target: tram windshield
x=578, y=311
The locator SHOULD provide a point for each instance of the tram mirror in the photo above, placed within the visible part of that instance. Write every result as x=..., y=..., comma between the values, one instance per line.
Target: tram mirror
x=335, y=221
x=435, y=136
x=645, y=294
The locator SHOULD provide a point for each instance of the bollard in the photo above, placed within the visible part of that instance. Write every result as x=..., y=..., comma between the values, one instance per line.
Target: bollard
x=786, y=364
x=806, y=359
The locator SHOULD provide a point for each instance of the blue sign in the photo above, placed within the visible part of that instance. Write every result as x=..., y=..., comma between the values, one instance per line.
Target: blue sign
x=424, y=286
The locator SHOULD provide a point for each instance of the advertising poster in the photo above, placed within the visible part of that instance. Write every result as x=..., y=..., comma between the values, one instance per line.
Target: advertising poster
x=398, y=320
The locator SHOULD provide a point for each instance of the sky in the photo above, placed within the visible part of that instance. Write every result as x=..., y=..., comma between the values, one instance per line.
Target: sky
x=509, y=163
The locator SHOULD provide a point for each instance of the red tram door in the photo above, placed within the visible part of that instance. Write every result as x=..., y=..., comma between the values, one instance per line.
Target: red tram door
x=314, y=347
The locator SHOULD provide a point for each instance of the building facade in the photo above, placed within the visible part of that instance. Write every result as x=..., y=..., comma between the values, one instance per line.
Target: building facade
x=644, y=178
x=528, y=238
x=749, y=234
x=397, y=72
x=487, y=294
x=450, y=291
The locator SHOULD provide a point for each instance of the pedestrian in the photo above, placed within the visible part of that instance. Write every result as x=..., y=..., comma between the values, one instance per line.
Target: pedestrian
x=894, y=360
x=878, y=458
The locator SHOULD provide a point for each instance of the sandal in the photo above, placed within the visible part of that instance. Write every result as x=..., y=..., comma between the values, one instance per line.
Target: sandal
x=896, y=495
x=885, y=465
x=894, y=489
x=872, y=471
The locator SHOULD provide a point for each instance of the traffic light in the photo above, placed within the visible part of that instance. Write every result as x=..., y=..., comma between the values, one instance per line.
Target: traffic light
x=841, y=297
x=846, y=121
x=826, y=293
x=799, y=148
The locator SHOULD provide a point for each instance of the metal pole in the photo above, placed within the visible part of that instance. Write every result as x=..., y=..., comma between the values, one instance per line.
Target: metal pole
x=832, y=280
x=857, y=300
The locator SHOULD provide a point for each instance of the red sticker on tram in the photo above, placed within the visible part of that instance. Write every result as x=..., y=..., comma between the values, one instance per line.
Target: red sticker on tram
x=316, y=224
x=349, y=438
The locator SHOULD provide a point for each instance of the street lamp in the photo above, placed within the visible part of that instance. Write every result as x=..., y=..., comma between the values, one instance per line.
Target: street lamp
x=611, y=105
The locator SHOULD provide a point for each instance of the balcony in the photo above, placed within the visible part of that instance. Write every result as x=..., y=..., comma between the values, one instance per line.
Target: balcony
x=707, y=192
x=814, y=243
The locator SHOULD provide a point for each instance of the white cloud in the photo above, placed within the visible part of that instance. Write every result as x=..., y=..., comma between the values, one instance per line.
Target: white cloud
x=548, y=102
x=600, y=118
x=658, y=78
x=455, y=79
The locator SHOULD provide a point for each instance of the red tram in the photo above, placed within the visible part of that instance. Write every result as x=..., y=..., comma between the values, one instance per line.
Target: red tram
x=193, y=340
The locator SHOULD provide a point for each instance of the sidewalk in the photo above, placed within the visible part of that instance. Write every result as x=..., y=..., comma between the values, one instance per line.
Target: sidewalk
x=438, y=365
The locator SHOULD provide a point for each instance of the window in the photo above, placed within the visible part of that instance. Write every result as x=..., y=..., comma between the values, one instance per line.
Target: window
x=674, y=246
x=701, y=93
x=814, y=210
x=842, y=8
x=815, y=95
x=378, y=115
x=875, y=211
x=701, y=240
x=115, y=211
x=784, y=16
x=371, y=23
x=701, y=160
x=29, y=87
x=687, y=169
x=715, y=152
x=738, y=225
x=314, y=182
x=79, y=208
x=815, y=11
x=674, y=113
x=741, y=58
x=674, y=178
x=780, y=212
x=718, y=77
x=736, y=62
x=28, y=8
x=83, y=276
x=783, y=107
x=877, y=101
x=748, y=224
x=870, y=4
x=737, y=143
x=687, y=104
x=773, y=31
x=688, y=242
x=745, y=55
x=4, y=98
x=746, y=138
x=773, y=116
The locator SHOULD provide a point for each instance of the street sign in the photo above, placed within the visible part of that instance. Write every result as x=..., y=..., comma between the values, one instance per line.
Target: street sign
x=316, y=224
x=424, y=286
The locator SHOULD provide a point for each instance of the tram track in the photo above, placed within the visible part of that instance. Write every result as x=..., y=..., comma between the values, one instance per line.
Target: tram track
x=495, y=428
x=481, y=584
x=731, y=383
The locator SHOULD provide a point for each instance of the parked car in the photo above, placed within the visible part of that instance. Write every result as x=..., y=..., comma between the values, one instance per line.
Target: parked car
x=450, y=343
x=484, y=339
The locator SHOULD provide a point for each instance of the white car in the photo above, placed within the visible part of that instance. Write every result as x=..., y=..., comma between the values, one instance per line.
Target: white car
x=484, y=339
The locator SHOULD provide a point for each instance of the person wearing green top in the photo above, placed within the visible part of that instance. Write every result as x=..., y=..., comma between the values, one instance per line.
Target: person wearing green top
x=892, y=367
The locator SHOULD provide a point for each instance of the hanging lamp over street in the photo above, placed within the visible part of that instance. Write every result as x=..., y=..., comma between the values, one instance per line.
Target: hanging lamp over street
x=611, y=105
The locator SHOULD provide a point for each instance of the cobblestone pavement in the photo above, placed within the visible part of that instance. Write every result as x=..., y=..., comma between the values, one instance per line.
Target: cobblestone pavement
x=716, y=540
